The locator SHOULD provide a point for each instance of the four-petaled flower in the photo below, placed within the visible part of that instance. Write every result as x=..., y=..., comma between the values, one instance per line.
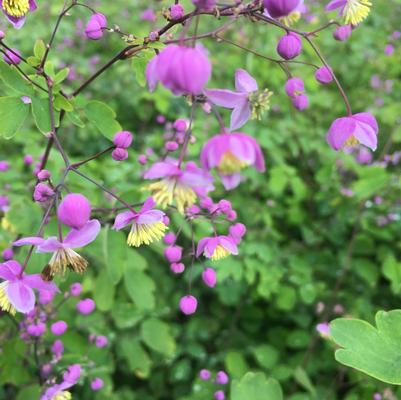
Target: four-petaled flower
x=230, y=153
x=176, y=184
x=16, y=291
x=63, y=254
x=217, y=247
x=247, y=101
x=57, y=391
x=147, y=224
x=353, y=11
x=17, y=10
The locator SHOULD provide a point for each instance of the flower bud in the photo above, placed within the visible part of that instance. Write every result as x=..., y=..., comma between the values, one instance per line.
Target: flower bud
x=194, y=210
x=176, y=11
x=97, y=384
x=75, y=289
x=58, y=328
x=42, y=192
x=180, y=125
x=324, y=75
x=4, y=166
x=74, y=211
x=342, y=33
x=142, y=159
x=204, y=374
x=280, y=8
x=169, y=238
x=43, y=174
x=119, y=154
x=188, y=304
x=294, y=87
x=7, y=254
x=237, y=231
x=231, y=215
x=46, y=296
x=94, y=28
x=166, y=220
x=222, y=378
x=219, y=395
x=171, y=145
x=2, y=35
x=173, y=254
x=289, y=46
x=300, y=102
x=57, y=348
x=36, y=330
x=204, y=4
x=28, y=159
x=177, y=268
x=225, y=206
x=123, y=139
x=86, y=306
x=101, y=341
x=12, y=57
x=209, y=277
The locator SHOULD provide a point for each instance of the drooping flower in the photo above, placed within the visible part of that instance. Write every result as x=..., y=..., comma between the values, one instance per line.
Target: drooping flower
x=353, y=11
x=286, y=11
x=16, y=291
x=349, y=131
x=217, y=247
x=63, y=254
x=146, y=225
x=246, y=102
x=183, y=70
x=229, y=153
x=176, y=185
x=58, y=391
x=17, y=10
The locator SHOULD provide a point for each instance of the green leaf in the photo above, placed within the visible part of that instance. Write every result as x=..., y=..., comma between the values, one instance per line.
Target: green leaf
x=103, y=292
x=13, y=112
x=302, y=378
x=392, y=271
x=137, y=358
x=156, y=335
x=255, y=386
x=41, y=114
x=14, y=80
x=61, y=103
x=374, y=351
x=103, y=117
x=236, y=364
x=61, y=75
x=39, y=49
x=75, y=119
x=126, y=315
x=139, y=63
x=140, y=287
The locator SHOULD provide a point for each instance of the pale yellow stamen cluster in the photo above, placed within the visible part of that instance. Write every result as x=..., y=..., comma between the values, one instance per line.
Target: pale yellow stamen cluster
x=16, y=8
x=145, y=233
x=219, y=253
x=260, y=102
x=230, y=164
x=5, y=304
x=166, y=191
x=61, y=260
x=355, y=11
x=62, y=396
x=291, y=18
x=351, y=141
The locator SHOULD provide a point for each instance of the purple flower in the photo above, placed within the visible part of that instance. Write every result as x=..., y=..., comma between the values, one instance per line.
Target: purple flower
x=17, y=10
x=183, y=70
x=349, y=131
x=4, y=203
x=289, y=46
x=342, y=33
x=219, y=395
x=122, y=139
x=4, y=166
x=323, y=329
x=294, y=87
x=16, y=291
x=222, y=378
x=101, y=341
x=58, y=328
x=229, y=153
x=63, y=254
x=119, y=154
x=7, y=254
x=86, y=306
x=74, y=211
x=389, y=49
x=245, y=102
x=209, y=277
x=42, y=192
x=57, y=391
x=188, y=304
x=217, y=247
x=364, y=156
x=177, y=268
x=148, y=15
x=178, y=185
x=97, y=384
x=75, y=289
x=95, y=26
x=146, y=225
x=280, y=8
x=353, y=11
x=237, y=231
x=204, y=374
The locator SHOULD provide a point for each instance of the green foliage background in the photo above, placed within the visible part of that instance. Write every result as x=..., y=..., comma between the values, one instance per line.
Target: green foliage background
x=302, y=232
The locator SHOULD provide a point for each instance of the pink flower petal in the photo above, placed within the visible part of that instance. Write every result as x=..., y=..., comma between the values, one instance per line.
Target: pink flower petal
x=240, y=115
x=123, y=219
x=231, y=181
x=150, y=217
x=228, y=244
x=21, y=296
x=334, y=4
x=244, y=82
x=161, y=170
x=340, y=130
x=82, y=237
x=50, y=245
x=35, y=281
x=33, y=240
x=225, y=98
x=201, y=246
x=10, y=270
x=147, y=205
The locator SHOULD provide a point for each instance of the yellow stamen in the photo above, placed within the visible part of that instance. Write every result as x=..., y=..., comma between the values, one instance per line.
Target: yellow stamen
x=230, y=164
x=291, y=18
x=5, y=304
x=145, y=233
x=62, y=396
x=351, y=141
x=7, y=225
x=16, y=8
x=356, y=11
x=61, y=260
x=219, y=253
x=164, y=193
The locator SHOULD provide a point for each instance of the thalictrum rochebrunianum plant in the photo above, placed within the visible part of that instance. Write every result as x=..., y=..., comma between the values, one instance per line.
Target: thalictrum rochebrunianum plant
x=81, y=229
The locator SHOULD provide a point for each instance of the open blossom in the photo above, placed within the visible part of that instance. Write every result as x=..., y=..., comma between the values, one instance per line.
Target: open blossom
x=217, y=247
x=146, y=225
x=229, y=153
x=176, y=185
x=183, y=70
x=17, y=10
x=246, y=102
x=16, y=291
x=356, y=129
x=58, y=391
x=353, y=11
x=63, y=254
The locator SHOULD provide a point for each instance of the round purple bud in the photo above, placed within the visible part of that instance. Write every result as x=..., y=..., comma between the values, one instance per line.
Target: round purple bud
x=225, y=206
x=180, y=125
x=42, y=192
x=75, y=289
x=12, y=57
x=222, y=378
x=171, y=145
x=142, y=159
x=2, y=35
x=324, y=75
x=43, y=174
x=204, y=374
x=58, y=328
x=4, y=166
x=169, y=238
x=173, y=254
x=177, y=268
x=94, y=28
x=342, y=33
x=209, y=277
x=188, y=304
x=119, y=154
x=289, y=46
x=86, y=306
x=28, y=159
x=101, y=341
x=57, y=348
x=74, y=211
x=176, y=11
x=46, y=296
x=219, y=395
x=97, y=384
x=123, y=139
x=36, y=330
x=300, y=102
x=237, y=231
x=7, y=254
